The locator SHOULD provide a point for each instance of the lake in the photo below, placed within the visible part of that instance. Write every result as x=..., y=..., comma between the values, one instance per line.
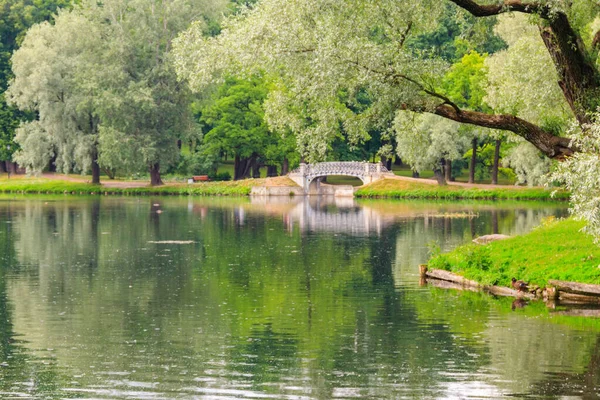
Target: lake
x=281, y=298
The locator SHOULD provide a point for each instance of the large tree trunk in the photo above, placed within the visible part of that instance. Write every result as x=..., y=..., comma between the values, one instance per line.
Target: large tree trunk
x=2, y=166
x=438, y=173
x=415, y=174
x=285, y=167
x=473, y=161
x=155, y=175
x=496, y=164
x=95, y=168
x=271, y=171
x=448, y=170
x=241, y=168
x=255, y=167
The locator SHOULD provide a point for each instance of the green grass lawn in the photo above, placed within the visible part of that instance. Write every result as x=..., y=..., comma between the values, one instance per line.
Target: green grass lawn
x=555, y=250
x=56, y=186
x=397, y=188
x=463, y=177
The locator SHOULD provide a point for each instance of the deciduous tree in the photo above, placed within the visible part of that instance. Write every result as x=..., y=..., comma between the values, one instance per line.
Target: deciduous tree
x=319, y=47
x=51, y=68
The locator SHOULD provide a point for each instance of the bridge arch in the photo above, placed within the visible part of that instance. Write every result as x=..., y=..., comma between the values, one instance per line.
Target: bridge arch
x=307, y=175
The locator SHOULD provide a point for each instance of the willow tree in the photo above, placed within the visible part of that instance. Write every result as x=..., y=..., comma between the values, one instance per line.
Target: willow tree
x=319, y=47
x=16, y=17
x=102, y=84
x=426, y=141
x=50, y=71
x=146, y=111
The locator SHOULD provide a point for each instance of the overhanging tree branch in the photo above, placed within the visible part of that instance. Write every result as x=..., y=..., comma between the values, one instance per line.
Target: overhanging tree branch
x=549, y=144
x=578, y=76
x=552, y=146
x=487, y=10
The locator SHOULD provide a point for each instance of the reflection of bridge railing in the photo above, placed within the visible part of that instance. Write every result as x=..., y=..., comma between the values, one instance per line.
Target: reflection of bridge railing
x=339, y=215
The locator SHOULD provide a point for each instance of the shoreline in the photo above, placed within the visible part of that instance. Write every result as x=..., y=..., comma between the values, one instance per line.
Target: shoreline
x=394, y=188
x=555, y=251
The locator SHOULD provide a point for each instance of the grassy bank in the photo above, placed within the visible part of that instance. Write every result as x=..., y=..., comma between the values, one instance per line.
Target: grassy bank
x=54, y=186
x=555, y=250
x=386, y=188
x=401, y=189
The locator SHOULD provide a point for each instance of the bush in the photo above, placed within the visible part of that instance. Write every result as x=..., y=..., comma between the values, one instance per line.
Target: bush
x=221, y=176
x=196, y=164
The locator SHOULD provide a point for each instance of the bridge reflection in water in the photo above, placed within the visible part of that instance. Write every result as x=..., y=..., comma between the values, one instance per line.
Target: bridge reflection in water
x=337, y=215
x=347, y=216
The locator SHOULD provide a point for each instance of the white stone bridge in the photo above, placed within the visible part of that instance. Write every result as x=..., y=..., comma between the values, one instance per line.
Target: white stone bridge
x=309, y=176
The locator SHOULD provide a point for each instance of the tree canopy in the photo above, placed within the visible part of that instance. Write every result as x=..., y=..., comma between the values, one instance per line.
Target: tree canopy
x=318, y=48
x=102, y=84
x=16, y=17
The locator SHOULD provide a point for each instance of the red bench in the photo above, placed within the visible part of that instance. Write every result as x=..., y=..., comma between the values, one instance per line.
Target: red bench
x=200, y=178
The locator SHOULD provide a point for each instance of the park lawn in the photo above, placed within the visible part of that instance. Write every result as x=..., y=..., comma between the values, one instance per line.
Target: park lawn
x=463, y=177
x=58, y=186
x=558, y=249
x=398, y=188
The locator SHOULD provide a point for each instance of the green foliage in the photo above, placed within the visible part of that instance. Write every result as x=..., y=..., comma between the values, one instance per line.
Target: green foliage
x=465, y=82
x=16, y=17
x=289, y=47
x=51, y=70
x=579, y=174
x=238, y=188
x=516, y=83
x=197, y=163
x=457, y=33
x=556, y=250
x=528, y=164
x=102, y=84
x=220, y=176
x=234, y=124
x=234, y=119
x=387, y=189
x=425, y=139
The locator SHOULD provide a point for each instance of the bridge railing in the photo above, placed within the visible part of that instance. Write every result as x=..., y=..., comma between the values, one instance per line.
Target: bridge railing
x=340, y=168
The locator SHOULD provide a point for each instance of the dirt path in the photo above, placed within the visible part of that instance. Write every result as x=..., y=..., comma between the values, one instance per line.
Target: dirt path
x=279, y=181
x=460, y=184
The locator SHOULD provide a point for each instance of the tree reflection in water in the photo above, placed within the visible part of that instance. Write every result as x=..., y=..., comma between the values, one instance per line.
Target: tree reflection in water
x=286, y=297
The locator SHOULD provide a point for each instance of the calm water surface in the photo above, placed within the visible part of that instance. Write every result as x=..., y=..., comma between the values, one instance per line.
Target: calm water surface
x=284, y=299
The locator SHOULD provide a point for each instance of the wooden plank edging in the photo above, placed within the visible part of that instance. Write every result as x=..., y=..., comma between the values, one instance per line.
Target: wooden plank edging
x=460, y=282
x=584, y=289
x=568, y=292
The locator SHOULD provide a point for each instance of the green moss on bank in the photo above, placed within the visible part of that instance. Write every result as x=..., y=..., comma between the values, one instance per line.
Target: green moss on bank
x=46, y=186
x=556, y=250
x=402, y=189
